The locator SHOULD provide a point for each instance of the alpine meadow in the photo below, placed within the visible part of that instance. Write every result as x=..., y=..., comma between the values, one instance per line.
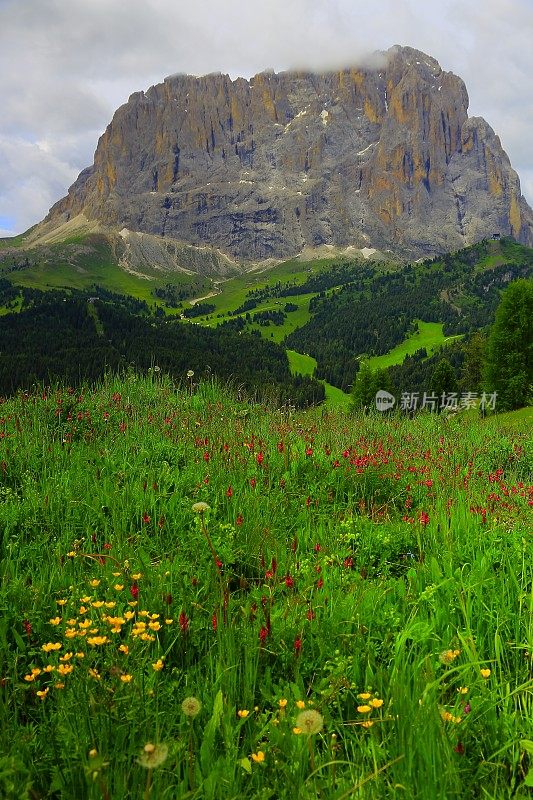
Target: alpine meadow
x=266, y=400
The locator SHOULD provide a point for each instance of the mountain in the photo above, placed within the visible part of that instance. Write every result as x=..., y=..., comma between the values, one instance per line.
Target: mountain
x=383, y=156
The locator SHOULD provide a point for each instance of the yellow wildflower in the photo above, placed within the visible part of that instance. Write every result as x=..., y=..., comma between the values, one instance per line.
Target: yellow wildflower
x=484, y=673
x=158, y=665
x=155, y=626
x=49, y=668
x=126, y=678
x=85, y=623
x=72, y=554
x=86, y=598
x=376, y=702
x=29, y=678
x=42, y=694
x=129, y=615
x=282, y=703
x=243, y=713
x=66, y=657
x=55, y=620
x=364, y=709
x=136, y=576
x=97, y=604
x=367, y=723
x=364, y=696
x=83, y=610
x=61, y=602
x=70, y=633
x=97, y=640
x=94, y=674
x=258, y=757
x=94, y=583
x=110, y=604
x=296, y=730
x=118, y=587
x=169, y=621
x=65, y=669
x=59, y=685
x=116, y=574
x=462, y=689
x=49, y=646
x=124, y=649
x=300, y=704
x=80, y=655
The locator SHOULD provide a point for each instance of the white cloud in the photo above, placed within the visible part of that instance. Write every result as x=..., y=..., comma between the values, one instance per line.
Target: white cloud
x=66, y=66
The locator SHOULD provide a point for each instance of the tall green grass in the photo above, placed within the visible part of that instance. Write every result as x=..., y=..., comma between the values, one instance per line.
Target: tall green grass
x=358, y=560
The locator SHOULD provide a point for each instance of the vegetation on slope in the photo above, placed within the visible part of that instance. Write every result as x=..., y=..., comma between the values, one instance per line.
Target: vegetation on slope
x=201, y=598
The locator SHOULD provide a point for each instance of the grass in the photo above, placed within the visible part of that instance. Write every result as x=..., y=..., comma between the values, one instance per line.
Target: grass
x=429, y=335
x=375, y=572
x=301, y=364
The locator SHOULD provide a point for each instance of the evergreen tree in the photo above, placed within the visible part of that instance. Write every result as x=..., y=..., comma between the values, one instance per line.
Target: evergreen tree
x=443, y=380
x=367, y=383
x=509, y=362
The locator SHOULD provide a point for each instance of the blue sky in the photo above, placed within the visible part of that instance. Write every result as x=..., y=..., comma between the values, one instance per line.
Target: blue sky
x=66, y=65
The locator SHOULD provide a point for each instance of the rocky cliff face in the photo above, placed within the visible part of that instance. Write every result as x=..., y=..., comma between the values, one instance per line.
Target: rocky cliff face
x=384, y=157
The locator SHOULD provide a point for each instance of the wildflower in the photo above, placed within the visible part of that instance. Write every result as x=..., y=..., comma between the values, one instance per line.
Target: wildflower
x=134, y=591
x=200, y=508
x=65, y=669
x=94, y=674
x=48, y=668
x=80, y=655
x=118, y=587
x=97, y=640
x=61, y=602
x=297, y=645
x=243, y=713
x=300, y=704
x=367, y=723
x=94, y=583
x=376, y=702
x=158, y=665
x=153, y=755
x=191, y=706
x=42, y=694
x=55, y=621
x=184, y=622
x=459, y=748
x=126, y=678
x=310, y=722
x=29, y=678
x=59, y=685
x=364, y=709
x=448, y=656
x=110, y=604
x=136, y=576
x=296, y=730
x=364, y=696
x=97, y=604
x=47, y=648
x=485, y=673
x=124, y=649
x=282, y=703
x=258, y=757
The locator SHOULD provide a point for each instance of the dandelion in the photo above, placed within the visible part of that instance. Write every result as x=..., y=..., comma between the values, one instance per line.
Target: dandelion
x=258, y=757
x=485, y=673
x=200, y=508
x=310, y=722
x=153, y=755
x=191, y=707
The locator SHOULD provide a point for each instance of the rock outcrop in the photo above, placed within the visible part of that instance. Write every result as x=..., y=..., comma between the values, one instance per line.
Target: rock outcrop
x=383, y=156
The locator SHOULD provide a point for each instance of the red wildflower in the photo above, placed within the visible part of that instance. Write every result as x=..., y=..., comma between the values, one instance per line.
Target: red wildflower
x=161, y=522
x=308, y=451
x=317, y=548
x=253, y=482
x=239, y=520
x=27, y=627
x=311, y=615
x=134, y=591
x=206, y=456
x=260, y=458
x=214, y=621
x=281, y=447
x=184, y=622
x=459, y=748
x=319, y=583
x=263, y=633
x=229, y=491
x=297, y=645
x=107, y=546
x=423, y=518
x=289, y=581
x=146, y=518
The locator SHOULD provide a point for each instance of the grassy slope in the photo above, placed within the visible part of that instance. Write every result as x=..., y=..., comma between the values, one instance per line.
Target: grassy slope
x=301, y=364
x=429, y=335
x=409, y=612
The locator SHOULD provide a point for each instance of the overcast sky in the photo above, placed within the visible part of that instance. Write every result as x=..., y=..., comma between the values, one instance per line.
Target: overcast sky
x=66, y=65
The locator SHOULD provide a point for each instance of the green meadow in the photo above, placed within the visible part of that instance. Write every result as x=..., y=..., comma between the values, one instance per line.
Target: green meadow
x=429, y=336
x=207, y=598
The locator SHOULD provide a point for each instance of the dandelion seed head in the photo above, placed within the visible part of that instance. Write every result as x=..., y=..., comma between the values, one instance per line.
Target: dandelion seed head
x=310, y=722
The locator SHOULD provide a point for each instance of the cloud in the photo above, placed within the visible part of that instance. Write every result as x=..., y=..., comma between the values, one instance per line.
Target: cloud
x=66, y=66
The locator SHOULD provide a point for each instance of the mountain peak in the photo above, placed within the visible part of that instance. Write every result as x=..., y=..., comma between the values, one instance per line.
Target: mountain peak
x=382, y=155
